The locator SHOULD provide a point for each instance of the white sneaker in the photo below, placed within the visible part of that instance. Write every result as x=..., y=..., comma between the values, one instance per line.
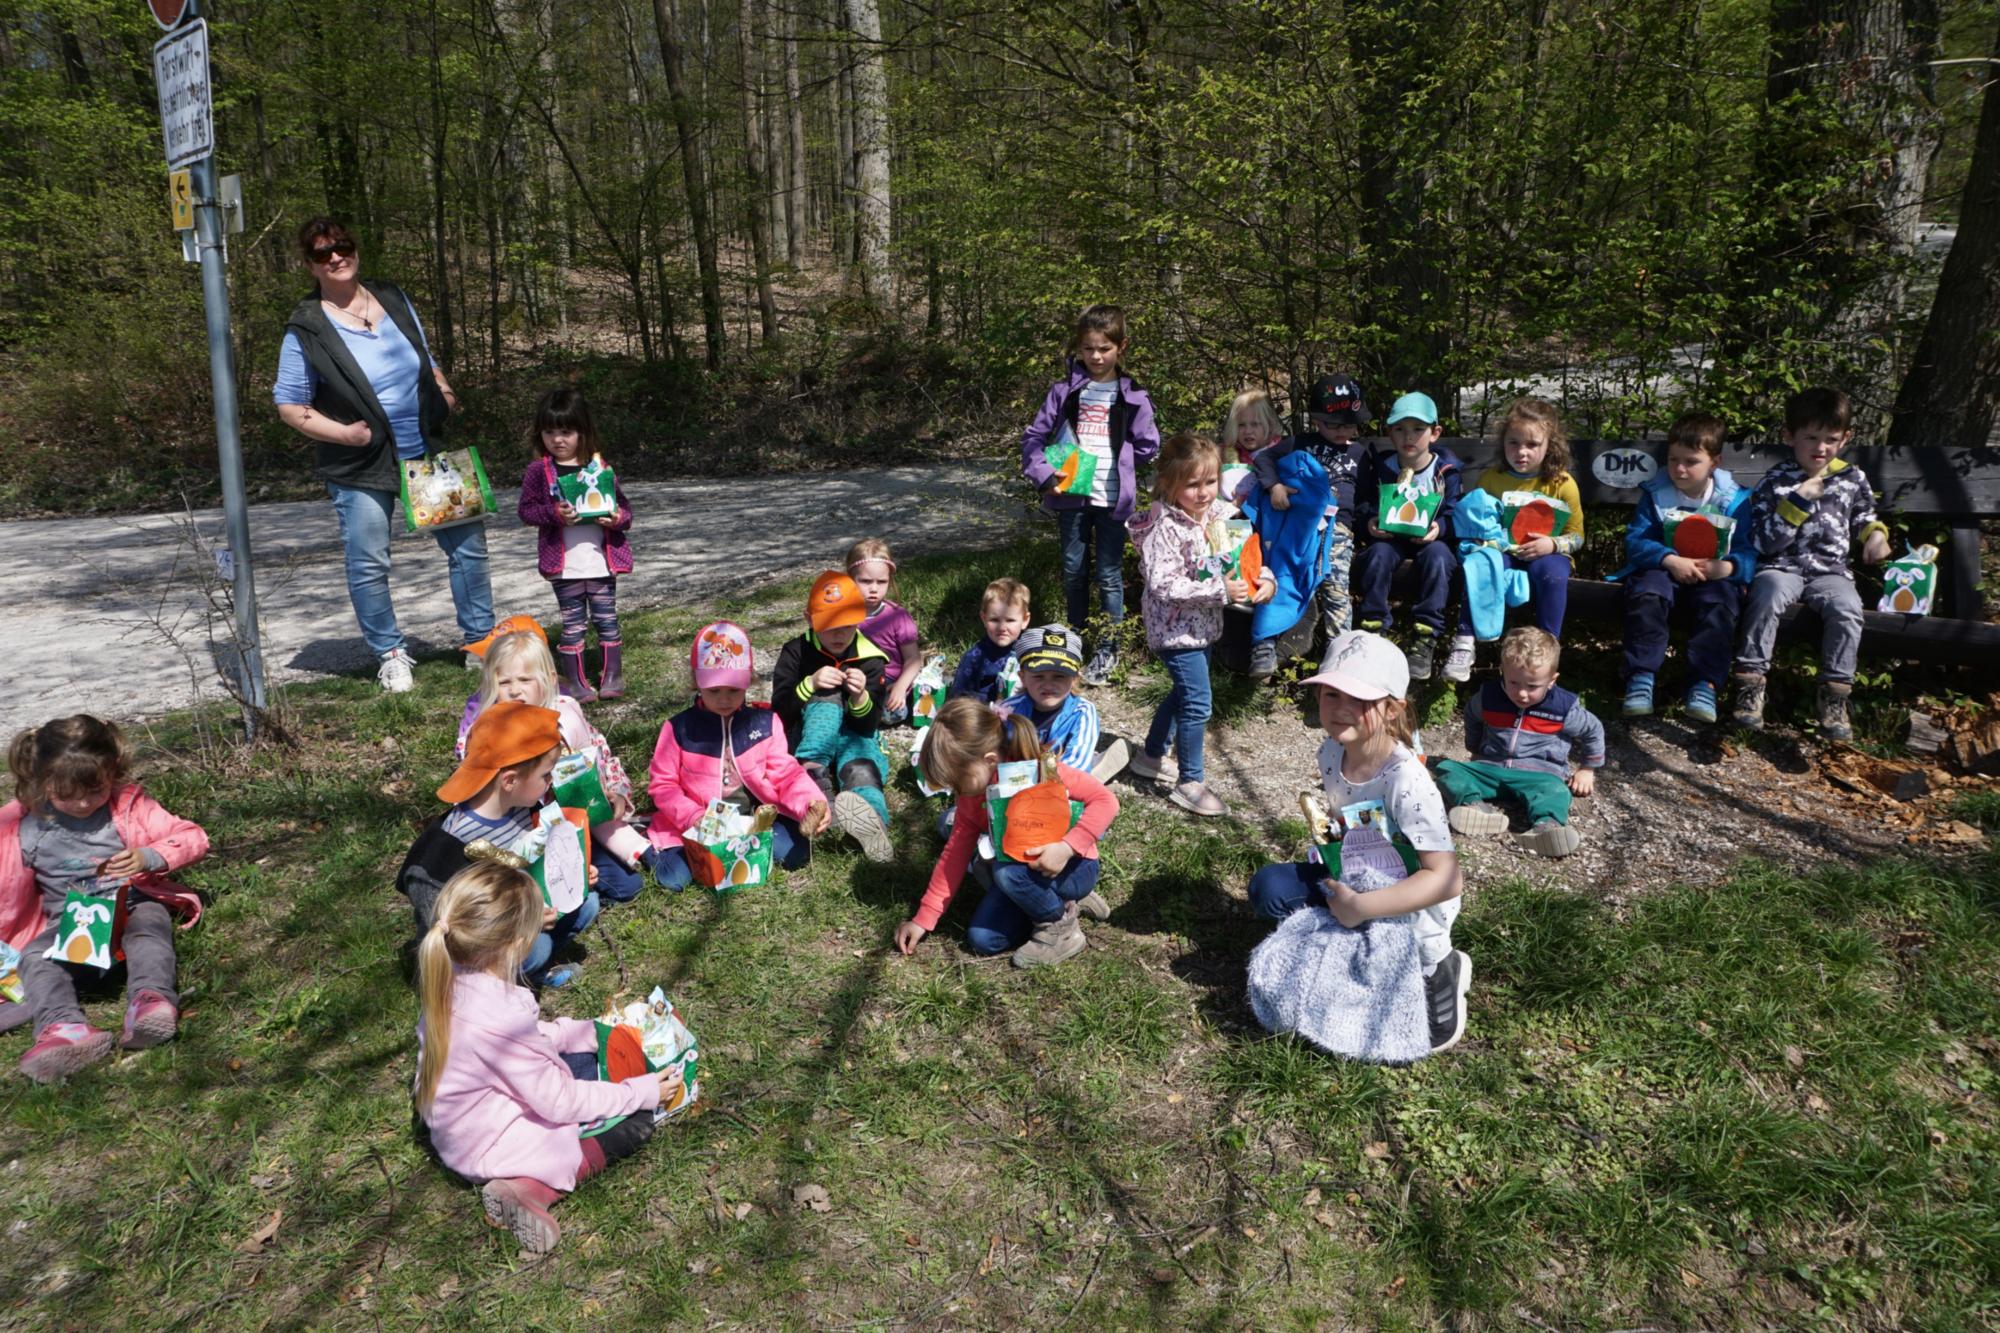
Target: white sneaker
x=1111, y=760
x=395, y=677
x=1458, y=665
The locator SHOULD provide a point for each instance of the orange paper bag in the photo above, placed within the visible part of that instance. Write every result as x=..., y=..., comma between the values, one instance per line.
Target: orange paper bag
x=1035, y=818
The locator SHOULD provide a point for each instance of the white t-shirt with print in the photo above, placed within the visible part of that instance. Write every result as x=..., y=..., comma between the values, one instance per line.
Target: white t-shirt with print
x=1409, y=797
x=1093, y=436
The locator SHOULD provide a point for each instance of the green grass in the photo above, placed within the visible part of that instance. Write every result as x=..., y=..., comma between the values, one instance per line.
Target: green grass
x=1765, y=1103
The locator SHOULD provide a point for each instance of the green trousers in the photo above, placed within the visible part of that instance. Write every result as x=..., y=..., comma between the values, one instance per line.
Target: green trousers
x=1546, y=795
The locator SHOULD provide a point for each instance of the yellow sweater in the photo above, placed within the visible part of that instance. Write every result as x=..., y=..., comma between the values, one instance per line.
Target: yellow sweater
x=1497, y=481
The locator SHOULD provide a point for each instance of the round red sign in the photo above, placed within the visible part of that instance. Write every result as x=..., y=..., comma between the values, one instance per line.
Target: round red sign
x=168, y=13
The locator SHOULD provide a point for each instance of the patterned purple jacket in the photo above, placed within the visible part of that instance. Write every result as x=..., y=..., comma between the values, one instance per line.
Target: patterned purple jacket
x=537, y=508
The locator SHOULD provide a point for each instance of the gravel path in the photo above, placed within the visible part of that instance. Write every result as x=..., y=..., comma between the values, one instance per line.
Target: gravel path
x=109, y=614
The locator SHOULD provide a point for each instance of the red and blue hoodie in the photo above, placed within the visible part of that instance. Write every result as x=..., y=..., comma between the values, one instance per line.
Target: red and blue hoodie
x=1538, y=738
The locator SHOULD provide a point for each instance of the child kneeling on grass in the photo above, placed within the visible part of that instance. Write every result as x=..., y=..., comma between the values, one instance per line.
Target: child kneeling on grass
x=1030, y=907
x=727, y=747
x=76, y=824
x=827, y=689
x=1361, y=963
x=505, y=1096
x=497, y=797
x=1520, y=730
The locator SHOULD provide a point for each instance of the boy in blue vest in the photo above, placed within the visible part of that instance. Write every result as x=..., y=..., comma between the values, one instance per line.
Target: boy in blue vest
x=1521, y=730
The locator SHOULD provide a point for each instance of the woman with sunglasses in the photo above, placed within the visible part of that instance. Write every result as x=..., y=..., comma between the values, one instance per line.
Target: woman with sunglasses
x=355, y=376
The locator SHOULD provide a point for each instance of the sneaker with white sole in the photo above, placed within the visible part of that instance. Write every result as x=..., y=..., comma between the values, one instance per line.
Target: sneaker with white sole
x=1478, y=820
x=1147, y=767
x=1551, y=839
x=1423, y=653
x=1101, y=664
x=1458, y=663
x=521, y=1205
x=395, y=675
x=1111, y=760
x=856, y=818
x=61, y=1049
x=1444, y=993
x=1197, y=799
x=150, y=1018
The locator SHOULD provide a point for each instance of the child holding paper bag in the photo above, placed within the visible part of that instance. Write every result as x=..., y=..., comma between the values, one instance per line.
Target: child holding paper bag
x=77, y=832
x=726, y=747
x=1404, y=501
x=1043, y=877
x=506, y=1096
x=519, y=669
x=581, y=555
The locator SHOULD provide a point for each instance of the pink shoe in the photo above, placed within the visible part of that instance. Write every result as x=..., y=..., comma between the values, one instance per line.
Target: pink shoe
x=64, y=1048
x=150, y=1018
x=521, y=1205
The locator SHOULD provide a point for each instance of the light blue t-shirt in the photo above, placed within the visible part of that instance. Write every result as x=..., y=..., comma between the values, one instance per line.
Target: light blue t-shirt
x=385, y=357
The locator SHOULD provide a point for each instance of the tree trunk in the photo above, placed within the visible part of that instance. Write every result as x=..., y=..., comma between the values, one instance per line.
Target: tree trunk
x=1952, y=394
x=796, y=220
x=688, y=132
x=756, y=194
x=440, y=252
x=871, y=156
x=843, y=189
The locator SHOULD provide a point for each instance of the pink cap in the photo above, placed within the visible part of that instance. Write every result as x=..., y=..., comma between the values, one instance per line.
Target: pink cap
x=720, y=658
x=1364, y=666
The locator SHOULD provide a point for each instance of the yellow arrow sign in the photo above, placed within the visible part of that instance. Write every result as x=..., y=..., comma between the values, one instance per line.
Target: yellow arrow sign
x=180, y=191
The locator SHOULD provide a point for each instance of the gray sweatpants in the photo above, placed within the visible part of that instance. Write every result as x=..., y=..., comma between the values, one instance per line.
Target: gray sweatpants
x=149, y=965
x=1830, y=596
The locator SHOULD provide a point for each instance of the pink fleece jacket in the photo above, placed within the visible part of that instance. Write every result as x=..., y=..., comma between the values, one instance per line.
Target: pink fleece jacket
x=687, y=767
x=506, y=1104
x=141, y=822
x=1100, y=807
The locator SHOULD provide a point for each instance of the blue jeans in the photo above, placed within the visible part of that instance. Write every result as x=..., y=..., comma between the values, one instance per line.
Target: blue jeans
x=567, y=927
x=1021, y=897
x=1082, y=534
x=615, y=884
x=789, y=849
x=1183, y=714
x=365, y=517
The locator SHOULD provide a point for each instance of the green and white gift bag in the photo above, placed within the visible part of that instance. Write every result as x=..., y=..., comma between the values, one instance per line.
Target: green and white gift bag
x=578, y=784
x=1910, y=583
x=444, y=490
x=558, y=859
x=1698, y=534
x=728, y=849
x=1365, y=818
x=1075, y=469
x=83, y=931
x=591, y=490
x=1404, y=511
x=648, y=1037
x=927, y=692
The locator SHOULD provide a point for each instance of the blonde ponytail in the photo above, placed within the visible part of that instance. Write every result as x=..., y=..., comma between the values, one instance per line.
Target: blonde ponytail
x=486, y=918
x=964, y=733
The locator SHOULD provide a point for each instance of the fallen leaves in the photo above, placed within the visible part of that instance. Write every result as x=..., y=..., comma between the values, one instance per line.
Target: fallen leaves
x=812, y=1197
x=257, y=1240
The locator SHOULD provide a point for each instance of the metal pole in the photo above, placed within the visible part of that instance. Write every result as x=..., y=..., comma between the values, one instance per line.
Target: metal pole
x=208, y=230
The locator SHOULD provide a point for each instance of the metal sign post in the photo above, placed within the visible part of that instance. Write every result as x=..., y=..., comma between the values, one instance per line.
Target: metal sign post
x=187, y=124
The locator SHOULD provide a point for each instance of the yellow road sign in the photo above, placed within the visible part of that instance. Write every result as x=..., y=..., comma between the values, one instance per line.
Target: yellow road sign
x=180, y=190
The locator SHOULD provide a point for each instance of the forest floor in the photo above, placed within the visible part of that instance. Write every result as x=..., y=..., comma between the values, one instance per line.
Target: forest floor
x=1732, y=1066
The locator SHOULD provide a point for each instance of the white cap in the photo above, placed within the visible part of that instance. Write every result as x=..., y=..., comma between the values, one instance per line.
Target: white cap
x=1365, y=666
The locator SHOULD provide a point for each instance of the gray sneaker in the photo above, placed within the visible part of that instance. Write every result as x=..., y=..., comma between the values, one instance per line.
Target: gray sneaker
x=1551, y=839
x=1458, y=665
x=1111, y=760
x=1423, y=653
x=857, y=819
x=1147, y=767
x=1478, y=820
x=1092, y=905
x=1101, y=663
x=1053, y=941
x=1197, y=799
x=1263, y=660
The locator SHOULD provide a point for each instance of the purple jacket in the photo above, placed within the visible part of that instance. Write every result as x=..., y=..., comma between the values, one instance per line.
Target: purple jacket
x=537, y=509
x=1134, y=439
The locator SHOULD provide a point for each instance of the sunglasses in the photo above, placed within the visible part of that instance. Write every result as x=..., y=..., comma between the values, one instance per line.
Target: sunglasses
x=324, y=254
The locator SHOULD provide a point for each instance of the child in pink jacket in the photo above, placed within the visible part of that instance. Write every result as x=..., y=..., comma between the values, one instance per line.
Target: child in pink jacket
x=507, y=1097
x=77, y=826
x=725, y=747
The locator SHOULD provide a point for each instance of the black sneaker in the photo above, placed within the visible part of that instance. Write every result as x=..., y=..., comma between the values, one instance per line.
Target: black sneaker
x=1101, y=662
x=1445, y=990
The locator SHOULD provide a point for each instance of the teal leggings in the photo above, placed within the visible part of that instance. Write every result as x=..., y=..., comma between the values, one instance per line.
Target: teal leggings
x=1546, y=795
x=853, y=759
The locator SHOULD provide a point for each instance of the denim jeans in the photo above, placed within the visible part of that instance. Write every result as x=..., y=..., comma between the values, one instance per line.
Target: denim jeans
x=1021, y=897
x=615, y=884
x=789, y=849
x=365, y=518
x=1183, y=714
x=567, y=927
x=1083, y=534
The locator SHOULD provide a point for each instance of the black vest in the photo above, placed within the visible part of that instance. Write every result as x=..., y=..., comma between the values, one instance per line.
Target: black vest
x=345, y=395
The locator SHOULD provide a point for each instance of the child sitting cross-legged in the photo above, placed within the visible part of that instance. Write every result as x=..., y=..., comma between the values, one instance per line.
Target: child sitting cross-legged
x=1520, y=731
x=505, y=1096
x=827, y=689
x=725, y=746
x=1033, y=905
x=500, y=810
x=1051, y=661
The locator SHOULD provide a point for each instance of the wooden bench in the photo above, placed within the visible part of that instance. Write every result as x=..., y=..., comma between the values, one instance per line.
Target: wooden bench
x=1958, y=486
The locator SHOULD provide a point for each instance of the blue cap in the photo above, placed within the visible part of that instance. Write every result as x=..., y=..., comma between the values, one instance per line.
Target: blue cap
x=1413, y=405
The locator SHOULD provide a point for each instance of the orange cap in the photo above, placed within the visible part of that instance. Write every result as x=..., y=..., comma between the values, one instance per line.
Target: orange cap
x=511, y=625
x=835, y=601
x=507, y=733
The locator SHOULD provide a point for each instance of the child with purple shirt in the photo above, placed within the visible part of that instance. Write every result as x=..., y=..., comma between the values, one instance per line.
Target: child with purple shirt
x=889, y=626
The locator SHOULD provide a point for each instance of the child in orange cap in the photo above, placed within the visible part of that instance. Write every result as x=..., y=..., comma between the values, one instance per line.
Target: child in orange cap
x=828, y=690
x=499, y=798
